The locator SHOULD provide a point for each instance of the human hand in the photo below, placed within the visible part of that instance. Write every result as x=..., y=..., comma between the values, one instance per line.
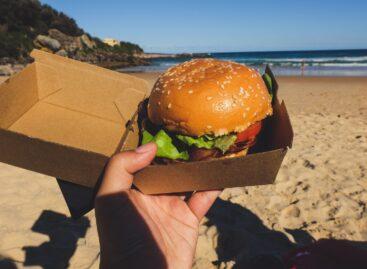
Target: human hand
x=145, y=231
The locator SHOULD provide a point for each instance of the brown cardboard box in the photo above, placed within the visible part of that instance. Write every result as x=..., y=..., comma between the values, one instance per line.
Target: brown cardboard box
x=65, y=119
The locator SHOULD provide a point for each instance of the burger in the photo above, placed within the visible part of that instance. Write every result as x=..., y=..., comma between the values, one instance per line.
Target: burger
x=205, y=109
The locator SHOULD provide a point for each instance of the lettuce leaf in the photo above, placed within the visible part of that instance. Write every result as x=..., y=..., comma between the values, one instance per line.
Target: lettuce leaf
x=225, y=142
x=222, y=142
x=147, y=137
x=165, y=146
x=269, y=84
x=200, y=142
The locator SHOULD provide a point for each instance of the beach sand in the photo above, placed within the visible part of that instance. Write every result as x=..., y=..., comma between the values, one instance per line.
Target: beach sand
x=320, y=192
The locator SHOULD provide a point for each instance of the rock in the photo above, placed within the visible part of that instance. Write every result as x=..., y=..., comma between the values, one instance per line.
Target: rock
x=6, y=70
x=62, y=53
x=291, y=211
x=290, y=217
x=18, y=67
x=48, y=42
x=87, y=42
x=69, y=43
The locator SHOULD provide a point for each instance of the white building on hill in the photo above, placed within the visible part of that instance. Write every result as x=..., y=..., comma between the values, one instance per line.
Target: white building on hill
x=111, y=41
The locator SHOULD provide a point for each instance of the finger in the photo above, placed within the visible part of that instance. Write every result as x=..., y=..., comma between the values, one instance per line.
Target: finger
x=119, y=171
x=200, y=202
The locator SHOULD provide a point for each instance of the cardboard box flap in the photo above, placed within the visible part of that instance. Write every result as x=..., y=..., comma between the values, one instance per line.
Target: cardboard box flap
x=17, y=95
x=87, y=89
x=48, y=80
x=255, y=169
x=59, y=61
x=53, y=159
x=82, y=131
x=58, y=100
x=127, y=106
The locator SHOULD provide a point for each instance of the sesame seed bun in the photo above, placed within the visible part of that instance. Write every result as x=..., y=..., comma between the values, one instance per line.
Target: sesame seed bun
x=207, y=96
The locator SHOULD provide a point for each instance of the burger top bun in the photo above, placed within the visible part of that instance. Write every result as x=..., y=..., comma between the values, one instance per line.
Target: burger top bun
x=207, y=96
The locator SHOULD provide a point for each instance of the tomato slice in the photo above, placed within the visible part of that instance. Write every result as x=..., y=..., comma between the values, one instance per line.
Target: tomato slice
x=250, y=132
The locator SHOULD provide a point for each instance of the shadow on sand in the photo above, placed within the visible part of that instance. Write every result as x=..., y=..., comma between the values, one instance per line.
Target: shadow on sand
x=64, y=233
x=242, y=237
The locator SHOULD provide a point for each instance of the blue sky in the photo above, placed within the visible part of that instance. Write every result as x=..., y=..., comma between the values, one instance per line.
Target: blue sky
x=227, y=25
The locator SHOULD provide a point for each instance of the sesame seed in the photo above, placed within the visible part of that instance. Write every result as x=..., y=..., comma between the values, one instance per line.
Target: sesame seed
x=159, y=103
x=244, y=115
x=209, y=126
x=190, y=91
x=168, y=92
x=247, y=108
x=209, y=98
x=169, y=106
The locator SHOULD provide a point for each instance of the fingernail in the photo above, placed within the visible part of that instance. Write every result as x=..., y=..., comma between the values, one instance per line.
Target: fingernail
x=145, y=148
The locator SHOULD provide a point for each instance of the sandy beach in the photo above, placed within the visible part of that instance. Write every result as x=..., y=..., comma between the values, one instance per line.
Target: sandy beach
x=320, y=192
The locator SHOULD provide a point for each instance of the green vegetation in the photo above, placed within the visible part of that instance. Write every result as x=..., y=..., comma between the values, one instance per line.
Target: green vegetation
x=165, y=146
x=22, y=20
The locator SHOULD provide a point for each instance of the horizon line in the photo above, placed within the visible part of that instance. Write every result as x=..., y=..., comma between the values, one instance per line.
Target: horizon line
x=260, y=51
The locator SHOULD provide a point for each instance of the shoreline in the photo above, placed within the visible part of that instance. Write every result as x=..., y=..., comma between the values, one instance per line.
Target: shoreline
x=147, y=55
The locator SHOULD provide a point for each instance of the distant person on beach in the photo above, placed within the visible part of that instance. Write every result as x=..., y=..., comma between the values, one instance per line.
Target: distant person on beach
x=302, y=67
x=143, y=231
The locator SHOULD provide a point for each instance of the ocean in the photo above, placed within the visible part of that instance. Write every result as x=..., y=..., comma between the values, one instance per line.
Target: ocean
x=290, y=63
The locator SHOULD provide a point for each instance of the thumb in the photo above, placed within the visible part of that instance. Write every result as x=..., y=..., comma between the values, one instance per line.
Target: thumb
x=119, y=172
